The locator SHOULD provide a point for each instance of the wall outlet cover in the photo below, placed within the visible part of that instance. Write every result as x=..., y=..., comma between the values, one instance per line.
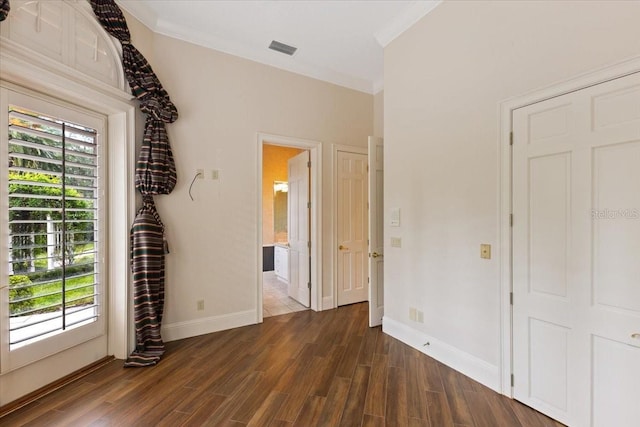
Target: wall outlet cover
x=485, y=251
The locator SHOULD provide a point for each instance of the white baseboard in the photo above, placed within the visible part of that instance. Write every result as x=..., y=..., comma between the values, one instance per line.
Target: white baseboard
x=471, y=366
x=207, y=325
x=327, y=303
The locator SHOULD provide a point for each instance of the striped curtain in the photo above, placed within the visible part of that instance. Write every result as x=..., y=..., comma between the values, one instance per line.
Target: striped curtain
x=155, y=174
x=4, y=9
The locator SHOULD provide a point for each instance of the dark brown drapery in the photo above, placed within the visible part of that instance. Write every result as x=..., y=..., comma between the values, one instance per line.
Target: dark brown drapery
x=155, y=174
x=4, y=9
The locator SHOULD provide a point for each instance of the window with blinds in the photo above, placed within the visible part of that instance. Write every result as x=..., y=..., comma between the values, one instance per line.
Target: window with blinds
x=53, y=190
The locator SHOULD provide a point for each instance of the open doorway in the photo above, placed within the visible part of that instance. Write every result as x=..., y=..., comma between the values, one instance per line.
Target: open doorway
x=281, y=220
x=288, y=223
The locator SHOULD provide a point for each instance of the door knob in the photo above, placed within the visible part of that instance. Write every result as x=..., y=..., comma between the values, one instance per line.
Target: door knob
x=376, y=255
x=343, y=248
x=636, y=336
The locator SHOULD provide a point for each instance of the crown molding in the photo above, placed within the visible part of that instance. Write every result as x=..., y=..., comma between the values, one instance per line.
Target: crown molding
x=264, y=56
x=412, y=14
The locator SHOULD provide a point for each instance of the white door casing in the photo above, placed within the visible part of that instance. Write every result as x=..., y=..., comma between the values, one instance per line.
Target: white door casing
x=317, y=303
x=352, y=228
x=376, y=227
x=298, y=228
x=86, y=80
x=576, y=236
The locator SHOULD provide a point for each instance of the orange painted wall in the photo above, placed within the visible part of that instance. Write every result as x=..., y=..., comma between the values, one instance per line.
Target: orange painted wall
x=274, y=168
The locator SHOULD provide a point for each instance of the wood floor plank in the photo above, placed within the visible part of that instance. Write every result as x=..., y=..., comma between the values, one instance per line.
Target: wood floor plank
x=455, y=396
x=418, y=422
x=232, y=403
x=368, y=348
x=310, y=412
x=439, y=411
x=354, y=407
x=334, y=405
x=396, y=354
x=298, y=389
x=429, y=374
x=280, y=423
x=350, y=358
x=296, y=370
x=307, y=368
x=417, y=405
x=382, y=345
x=268, y=410
x=262, y=390
x=376, y=399
x=480, y=410
x=174, y=419
x=396, y=397
x=530, y=417
x=327, y=371
x=502, y=412
x=372, y=421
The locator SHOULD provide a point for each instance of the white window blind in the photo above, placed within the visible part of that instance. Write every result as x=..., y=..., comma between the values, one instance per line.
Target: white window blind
x=53, y=190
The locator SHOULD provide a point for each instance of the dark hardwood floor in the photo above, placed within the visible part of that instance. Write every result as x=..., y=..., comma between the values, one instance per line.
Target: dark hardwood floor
x=299, y=369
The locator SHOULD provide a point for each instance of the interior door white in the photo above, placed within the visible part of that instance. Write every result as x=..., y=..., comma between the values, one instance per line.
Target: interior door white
x=576, y=240
x=352, y=228
x=376, y=227
x=298, y=228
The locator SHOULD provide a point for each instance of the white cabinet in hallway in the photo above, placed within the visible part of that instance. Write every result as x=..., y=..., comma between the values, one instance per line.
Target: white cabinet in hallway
x=281, y=262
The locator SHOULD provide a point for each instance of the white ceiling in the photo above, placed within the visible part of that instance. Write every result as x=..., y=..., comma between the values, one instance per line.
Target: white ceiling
x=338, y=41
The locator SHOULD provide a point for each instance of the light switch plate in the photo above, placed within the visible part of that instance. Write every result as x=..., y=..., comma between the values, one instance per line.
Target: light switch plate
x=396, y=242
x=485, y=251
x=394, y=221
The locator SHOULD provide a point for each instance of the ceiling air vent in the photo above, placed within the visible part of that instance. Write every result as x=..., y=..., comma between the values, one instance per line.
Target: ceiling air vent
x=282, y=48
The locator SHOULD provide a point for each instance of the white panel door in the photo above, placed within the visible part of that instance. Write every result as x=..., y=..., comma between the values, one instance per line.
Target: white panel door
x=352, y=226
x=576, y=243
x=298, y=229
x=376, y=227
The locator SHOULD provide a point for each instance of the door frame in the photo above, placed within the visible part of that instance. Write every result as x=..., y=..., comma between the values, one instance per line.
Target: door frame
x=334, y=251
x=505, y=249
x=315, y=153
x=28, y=75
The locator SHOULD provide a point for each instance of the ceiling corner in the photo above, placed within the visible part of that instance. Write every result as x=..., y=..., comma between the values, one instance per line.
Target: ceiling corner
x=412, y=14
x=378, y=86
x=141, y=12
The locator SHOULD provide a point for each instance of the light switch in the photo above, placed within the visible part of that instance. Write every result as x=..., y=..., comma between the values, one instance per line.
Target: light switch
x=485, y=251
x=396, y=242
x=394, y=221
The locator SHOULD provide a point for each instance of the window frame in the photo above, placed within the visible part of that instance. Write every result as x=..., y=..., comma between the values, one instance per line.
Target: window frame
x=11, y=359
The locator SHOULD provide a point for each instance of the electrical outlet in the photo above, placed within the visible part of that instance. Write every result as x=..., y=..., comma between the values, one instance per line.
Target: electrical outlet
x=200, y=173
x=215, y=174
x=420, y=318
x=412, y=313
x=485, y=251
x=200, y=305
x=396, y=242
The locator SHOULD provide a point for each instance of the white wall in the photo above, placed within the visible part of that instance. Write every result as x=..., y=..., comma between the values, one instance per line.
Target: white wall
x=444, y=80
x=378, y=114
x=224, y=101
